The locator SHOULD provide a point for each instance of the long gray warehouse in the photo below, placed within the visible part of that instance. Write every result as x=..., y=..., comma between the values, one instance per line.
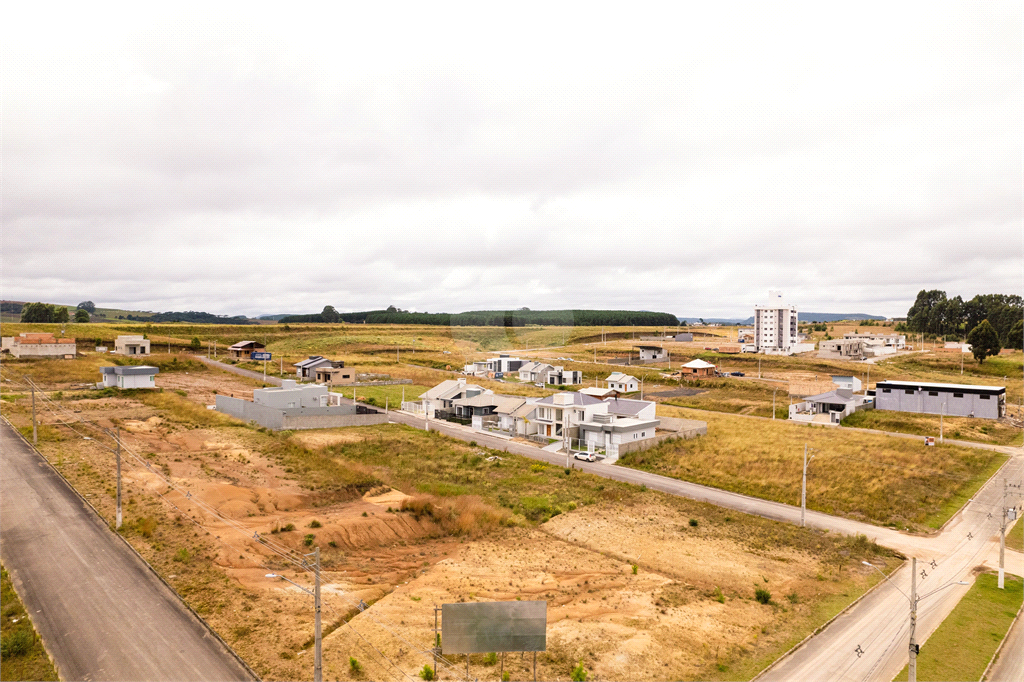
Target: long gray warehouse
x=957, y=400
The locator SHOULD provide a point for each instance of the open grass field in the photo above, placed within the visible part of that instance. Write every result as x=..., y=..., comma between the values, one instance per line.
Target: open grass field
x=406, y=519
x=22, y=656
x=962, y=646
x=875, y=478
x=957, y=428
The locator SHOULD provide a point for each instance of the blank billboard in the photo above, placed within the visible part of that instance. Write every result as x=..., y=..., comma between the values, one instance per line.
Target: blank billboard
x=483, y=627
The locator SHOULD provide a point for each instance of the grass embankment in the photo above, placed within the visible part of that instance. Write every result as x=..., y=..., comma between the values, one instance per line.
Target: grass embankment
x=962, y=646
x=22, y=656
x=945, y=367
x=1015, y=538
x=85, y=369
x=957, y=428
x=879, y=479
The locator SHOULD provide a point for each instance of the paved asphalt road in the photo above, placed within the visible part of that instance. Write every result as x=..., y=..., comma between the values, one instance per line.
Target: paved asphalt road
x=101, y=611
x=1010, y=664
x=876, y=625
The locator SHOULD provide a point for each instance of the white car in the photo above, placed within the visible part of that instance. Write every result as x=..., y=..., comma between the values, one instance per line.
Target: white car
x=586, y=456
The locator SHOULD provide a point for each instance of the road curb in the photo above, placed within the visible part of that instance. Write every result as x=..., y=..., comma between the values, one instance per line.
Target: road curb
x=159, y=577
x=821, y=627
x=1001, y=644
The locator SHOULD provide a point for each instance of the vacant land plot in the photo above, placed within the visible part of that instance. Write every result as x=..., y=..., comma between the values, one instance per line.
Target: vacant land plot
x=406, y=518
x=999, y=432
x=875, y=478
x=962, y=646
x=1015, y=538
x=22, y=656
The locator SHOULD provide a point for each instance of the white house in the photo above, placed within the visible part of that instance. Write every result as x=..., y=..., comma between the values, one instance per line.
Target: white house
x=623, y=383
x=560, y=415
x=441, y=397
x=38, y=345
x=291, y=394
x=131, y=376
x=848, y=382
x=559, y=376
x=131, y=344
x=306, y=369
x=625, y=425
x=651, y=353
x=830, y=407
x=535, y=372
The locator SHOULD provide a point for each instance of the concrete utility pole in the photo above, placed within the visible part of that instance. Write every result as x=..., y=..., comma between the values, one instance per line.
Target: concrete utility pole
x=803, y=491
x=774, y=391
x=1002, y=540
x=942, y=414
x=118, y=520
x=758, y=366
x=912, y=666
x=318, y=674
x=35, y=433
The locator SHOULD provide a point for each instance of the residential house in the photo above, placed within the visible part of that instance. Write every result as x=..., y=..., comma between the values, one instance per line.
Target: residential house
x=684, y=337
x=504, y=364
x=131, y=344
x=599, y=393
x=38, y=345
x=306, y=369
x=697, y=369
x=439, y=399
x=895, y=342
x=130, y=376
x=298, y=406
x=830, y=407
x=489, y=410
x=334, y=376
x=651, y=354
x=560, y=415
x=623, y=383
x=243, y=350
x=535, y=372
x=850, y=383
x=623, y=426
x=835, y=349
x=559, y=376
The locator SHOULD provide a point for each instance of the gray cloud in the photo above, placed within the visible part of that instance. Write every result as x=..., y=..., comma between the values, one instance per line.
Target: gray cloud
x=684, y=162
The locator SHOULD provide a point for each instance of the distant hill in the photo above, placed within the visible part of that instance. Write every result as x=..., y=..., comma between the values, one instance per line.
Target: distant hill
x=275, y=318
x=803, y=317
x=495, y=318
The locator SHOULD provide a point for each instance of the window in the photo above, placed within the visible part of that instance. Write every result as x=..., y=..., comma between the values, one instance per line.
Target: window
x=985, y=396
x=886, y=390
x=958, y=395
x=909, y=391
x=933, y=393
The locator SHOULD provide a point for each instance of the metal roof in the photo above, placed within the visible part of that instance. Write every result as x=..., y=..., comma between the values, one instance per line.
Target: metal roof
x=833, y=397
x=577, y=399
x=620, y=377
x=244, y=344
x=130, y=370
x=311, y=360
x=925, y=386
x=626, y=406
x=698, y=364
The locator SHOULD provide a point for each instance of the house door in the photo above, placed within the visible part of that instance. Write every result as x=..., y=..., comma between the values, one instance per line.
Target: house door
x=548, y=427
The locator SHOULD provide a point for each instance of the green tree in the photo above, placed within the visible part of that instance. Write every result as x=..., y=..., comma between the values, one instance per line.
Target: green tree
x=61, y=314
x=1015, y=338
x=330, y=315
x=37, y=312
x=984, y=341
x=196, y=343
x=579, y=673
x=87, y=306
x=81, y=315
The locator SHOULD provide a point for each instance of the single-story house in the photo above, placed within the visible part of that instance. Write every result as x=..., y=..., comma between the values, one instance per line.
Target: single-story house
x=38, y=345
x=243, y=350
x=599, y=393
x=684, y=337
x=298, y=406
x=489, y=410
x=535, y=372
x=330, y=375
x=958, y=400
x=842, y=348
x=306, y=369
x=623, y=383
x=830, y=407
x=131, y=344
x=441, y=397
x=637, y=409
x=130, y=376
x=504, y=364
x=559, y=376
x=697, y=369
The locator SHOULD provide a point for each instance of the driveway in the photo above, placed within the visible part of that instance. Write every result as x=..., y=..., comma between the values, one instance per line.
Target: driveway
x=102, y=613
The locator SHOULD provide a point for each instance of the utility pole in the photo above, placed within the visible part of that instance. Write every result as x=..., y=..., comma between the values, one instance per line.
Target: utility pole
x=118, y=520
x=1002, y=540
x=868, y=381
x=803, y=491
x=912, y=666
x=437, y=643
x=35, y=433
x=942, y=414
x=318, y=675
x=774, y=391
x=758, y=366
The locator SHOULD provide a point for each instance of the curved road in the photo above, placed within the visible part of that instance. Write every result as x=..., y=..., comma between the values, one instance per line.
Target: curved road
x=102, y=613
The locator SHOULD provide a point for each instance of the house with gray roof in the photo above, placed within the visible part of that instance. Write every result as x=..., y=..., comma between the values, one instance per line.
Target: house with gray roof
x=129, y=376
x=830, y=407
x=305, y=370
x=535, y=372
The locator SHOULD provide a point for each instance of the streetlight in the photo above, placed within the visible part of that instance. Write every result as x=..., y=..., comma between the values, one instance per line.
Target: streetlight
x=913, y=599
x=315, y=565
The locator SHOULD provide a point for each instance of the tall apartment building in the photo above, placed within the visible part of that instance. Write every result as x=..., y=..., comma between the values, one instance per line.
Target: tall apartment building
x=775, y=326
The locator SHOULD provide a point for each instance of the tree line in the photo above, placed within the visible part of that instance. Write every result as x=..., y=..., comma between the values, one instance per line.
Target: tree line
x=494, y=318
x=934, y=313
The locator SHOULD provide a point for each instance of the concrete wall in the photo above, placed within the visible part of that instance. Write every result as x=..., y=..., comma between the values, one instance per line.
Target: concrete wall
x=299, y=417
x=42, y=350
x=899, y=401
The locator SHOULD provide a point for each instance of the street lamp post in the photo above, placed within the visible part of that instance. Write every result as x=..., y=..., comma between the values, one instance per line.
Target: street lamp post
x=914, y=601
x=317, y=652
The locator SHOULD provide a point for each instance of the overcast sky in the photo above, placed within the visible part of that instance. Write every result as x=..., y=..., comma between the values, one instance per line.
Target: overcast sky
x=674, y=157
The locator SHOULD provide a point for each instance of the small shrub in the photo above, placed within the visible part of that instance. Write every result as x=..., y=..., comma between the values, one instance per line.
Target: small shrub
x=635, y=567
x=491, y=658
x=289, y=527
x=332, y=543
x=365, y=514
x=18, y=643
x=314, y=524
x=694, y=523
x=427, y=673
x=146, y=526
x=762, y=595
x=579, y=673
x=180, y=392
x=793, y=598
x=719, y=597
x=506, y=676
x=308, y=540
x=354, y=666
x=182, y=556
x=472, y=443
x=568, y=472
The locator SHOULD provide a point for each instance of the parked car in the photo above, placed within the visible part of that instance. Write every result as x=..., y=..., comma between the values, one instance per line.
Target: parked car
x=539, y=385
x=738, y=374
x=586, y=456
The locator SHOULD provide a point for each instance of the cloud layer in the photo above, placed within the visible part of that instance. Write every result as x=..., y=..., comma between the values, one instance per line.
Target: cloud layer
x=467, y=157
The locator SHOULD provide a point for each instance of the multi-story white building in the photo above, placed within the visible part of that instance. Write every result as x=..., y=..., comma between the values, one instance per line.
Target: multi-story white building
x=775, y=327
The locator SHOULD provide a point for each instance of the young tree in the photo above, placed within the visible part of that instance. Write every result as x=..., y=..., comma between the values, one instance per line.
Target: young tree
x=61, y=314
x=1015, y=338
x=81, y=315
x=984, y=341
x=196, y=343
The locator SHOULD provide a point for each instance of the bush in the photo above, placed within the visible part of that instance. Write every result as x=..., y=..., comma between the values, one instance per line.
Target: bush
x=579, y=673
x=308, y=540
x=719, y=597
x=146, y=526
x=506, y=676
x=17, y=643
x=314, y=524
x=491, y=658
x=762, y=595
x=354, y=666
x=427, y=673
x=182, y=555
x=635, y=567
x=290, y=526
x=694, y=523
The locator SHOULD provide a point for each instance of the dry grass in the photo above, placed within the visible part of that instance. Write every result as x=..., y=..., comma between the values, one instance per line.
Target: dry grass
x=879, y=479
x=23, y=657
x=957, y=428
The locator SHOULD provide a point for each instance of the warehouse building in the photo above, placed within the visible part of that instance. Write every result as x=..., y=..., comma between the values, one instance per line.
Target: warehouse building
x=957, y=400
